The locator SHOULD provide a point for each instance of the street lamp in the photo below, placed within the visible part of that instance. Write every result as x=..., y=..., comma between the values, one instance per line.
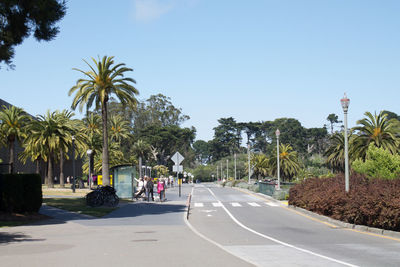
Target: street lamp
x=89, y=153
x=73, y=164
x=278, y=133
x=248, y=158
x=345, y=105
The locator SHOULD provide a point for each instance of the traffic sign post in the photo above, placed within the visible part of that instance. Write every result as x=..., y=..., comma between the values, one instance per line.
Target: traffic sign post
x=177, y=158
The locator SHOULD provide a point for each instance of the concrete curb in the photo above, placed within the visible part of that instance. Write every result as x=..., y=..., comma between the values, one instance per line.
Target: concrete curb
x=327, y=219
x=188, y=206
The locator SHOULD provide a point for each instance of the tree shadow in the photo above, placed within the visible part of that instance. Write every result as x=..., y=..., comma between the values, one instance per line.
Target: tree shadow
x=16, y=237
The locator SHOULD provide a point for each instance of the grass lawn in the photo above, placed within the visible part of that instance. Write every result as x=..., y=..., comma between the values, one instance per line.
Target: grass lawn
x=66, y=191
x=77, y=205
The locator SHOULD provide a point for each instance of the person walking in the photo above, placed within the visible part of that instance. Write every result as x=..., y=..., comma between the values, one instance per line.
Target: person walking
x=141, y=189
x=161, y=189
x=149, y=189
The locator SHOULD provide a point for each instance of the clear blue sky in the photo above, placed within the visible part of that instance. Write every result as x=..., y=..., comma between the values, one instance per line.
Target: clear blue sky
x=252, y=60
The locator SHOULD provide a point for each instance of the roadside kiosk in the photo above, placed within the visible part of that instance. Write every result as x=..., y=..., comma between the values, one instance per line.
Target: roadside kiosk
x=123, y=180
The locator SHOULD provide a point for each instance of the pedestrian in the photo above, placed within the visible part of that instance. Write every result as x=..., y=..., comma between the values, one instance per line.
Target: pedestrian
x=149, y=189
x=161, y=189
x=140, y=187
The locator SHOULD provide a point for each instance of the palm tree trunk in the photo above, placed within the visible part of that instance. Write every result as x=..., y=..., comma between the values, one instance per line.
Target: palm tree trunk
x=37, y=166
x=61, y=168
x=11, y=154
x=50, y=182
x=105, y=164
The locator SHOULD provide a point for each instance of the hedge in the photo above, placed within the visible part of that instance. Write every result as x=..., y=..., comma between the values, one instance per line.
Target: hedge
x=374, y=203
x=20, y=193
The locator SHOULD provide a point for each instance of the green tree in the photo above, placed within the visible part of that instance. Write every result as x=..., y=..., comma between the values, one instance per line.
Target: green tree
x=333, y=119
x=45, y=133
x=67, y=128
x=119, y=129
x=100, y=82
x=379, y=163
x=202, y=150
x=20, y=18
x=12, y=121
x=227, y=138
x=261, y=165
x=378, y=130
x=289, y=164
x=335, y=151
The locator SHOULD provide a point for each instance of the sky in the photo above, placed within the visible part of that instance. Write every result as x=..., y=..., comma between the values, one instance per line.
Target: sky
x=252, y=60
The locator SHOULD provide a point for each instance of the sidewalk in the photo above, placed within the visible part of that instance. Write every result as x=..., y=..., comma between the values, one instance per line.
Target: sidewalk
x=135, y=235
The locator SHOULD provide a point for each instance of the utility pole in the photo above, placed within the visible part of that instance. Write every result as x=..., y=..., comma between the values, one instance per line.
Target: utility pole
x=235, y=167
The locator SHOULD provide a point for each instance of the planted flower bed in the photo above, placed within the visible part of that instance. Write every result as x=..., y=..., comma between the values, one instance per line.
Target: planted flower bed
x=374, y=203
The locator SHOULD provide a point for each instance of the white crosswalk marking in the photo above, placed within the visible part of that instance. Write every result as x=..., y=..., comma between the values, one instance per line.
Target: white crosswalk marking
x=272, y=204
x=217, y=204
x=235, y=204
x=253, y=204
x=199, y=205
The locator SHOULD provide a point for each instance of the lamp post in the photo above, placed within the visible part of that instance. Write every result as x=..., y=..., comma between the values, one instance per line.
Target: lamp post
x=227, y=169
x=278, y=133
x=89, y=153
x=217, y=172
x=73, y=164
x=345, y=105
x=235, y=167
x=248, y=158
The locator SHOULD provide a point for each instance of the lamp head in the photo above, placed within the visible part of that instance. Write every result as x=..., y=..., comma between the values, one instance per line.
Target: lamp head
x=345, y=102
x=277, y=133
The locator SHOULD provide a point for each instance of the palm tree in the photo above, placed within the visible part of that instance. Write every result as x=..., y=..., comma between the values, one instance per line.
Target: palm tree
x=376, y=129
x=47, y=133
x=289, y=164
x=67, y=128
x=335, y=151
x=119, y=128
x=99, y=84
x=12, y=120
x=260, y=163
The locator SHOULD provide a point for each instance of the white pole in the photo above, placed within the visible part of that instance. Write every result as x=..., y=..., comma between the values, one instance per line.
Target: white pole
x=346, y=155
x=248, y=158
x=227, y=169
x=235, y=166
x=277, y=159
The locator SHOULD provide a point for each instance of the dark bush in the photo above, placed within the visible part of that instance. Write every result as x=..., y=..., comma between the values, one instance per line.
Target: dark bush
x=374, y=203
x=20, y=193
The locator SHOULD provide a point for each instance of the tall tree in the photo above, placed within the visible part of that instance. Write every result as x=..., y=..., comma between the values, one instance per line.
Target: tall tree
x=376, y=129
x=99, y=84
x=18, y=19
x=202, y=150
x=227, y=138
x=45, y=132
x=333, y=119
x=12, y=121
x=289, y=164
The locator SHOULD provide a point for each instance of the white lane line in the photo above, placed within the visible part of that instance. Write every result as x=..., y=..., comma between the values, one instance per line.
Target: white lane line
x=278, y=241
x=234, y=204
x=198, y=205
x=217, y=204
x=271, y=204
x=253, y=204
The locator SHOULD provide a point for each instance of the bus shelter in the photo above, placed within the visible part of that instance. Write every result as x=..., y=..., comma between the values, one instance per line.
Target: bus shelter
x=124, y=180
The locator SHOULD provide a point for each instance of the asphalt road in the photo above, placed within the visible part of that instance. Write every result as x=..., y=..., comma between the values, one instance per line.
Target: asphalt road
x=137, y=234
x=267, y=234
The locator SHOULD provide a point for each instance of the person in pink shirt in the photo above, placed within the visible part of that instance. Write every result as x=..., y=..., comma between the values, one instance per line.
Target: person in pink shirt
x=161, y=189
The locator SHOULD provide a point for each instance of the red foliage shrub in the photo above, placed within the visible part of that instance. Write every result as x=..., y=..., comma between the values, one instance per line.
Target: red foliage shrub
x=374, y=203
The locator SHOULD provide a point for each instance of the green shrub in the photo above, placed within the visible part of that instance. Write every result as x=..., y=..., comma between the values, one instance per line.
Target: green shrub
x=20, y=193
x=379, y=163
x=374, y=203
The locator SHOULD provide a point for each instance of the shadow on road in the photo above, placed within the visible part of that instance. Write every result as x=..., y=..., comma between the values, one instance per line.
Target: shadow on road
x=7, y=237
